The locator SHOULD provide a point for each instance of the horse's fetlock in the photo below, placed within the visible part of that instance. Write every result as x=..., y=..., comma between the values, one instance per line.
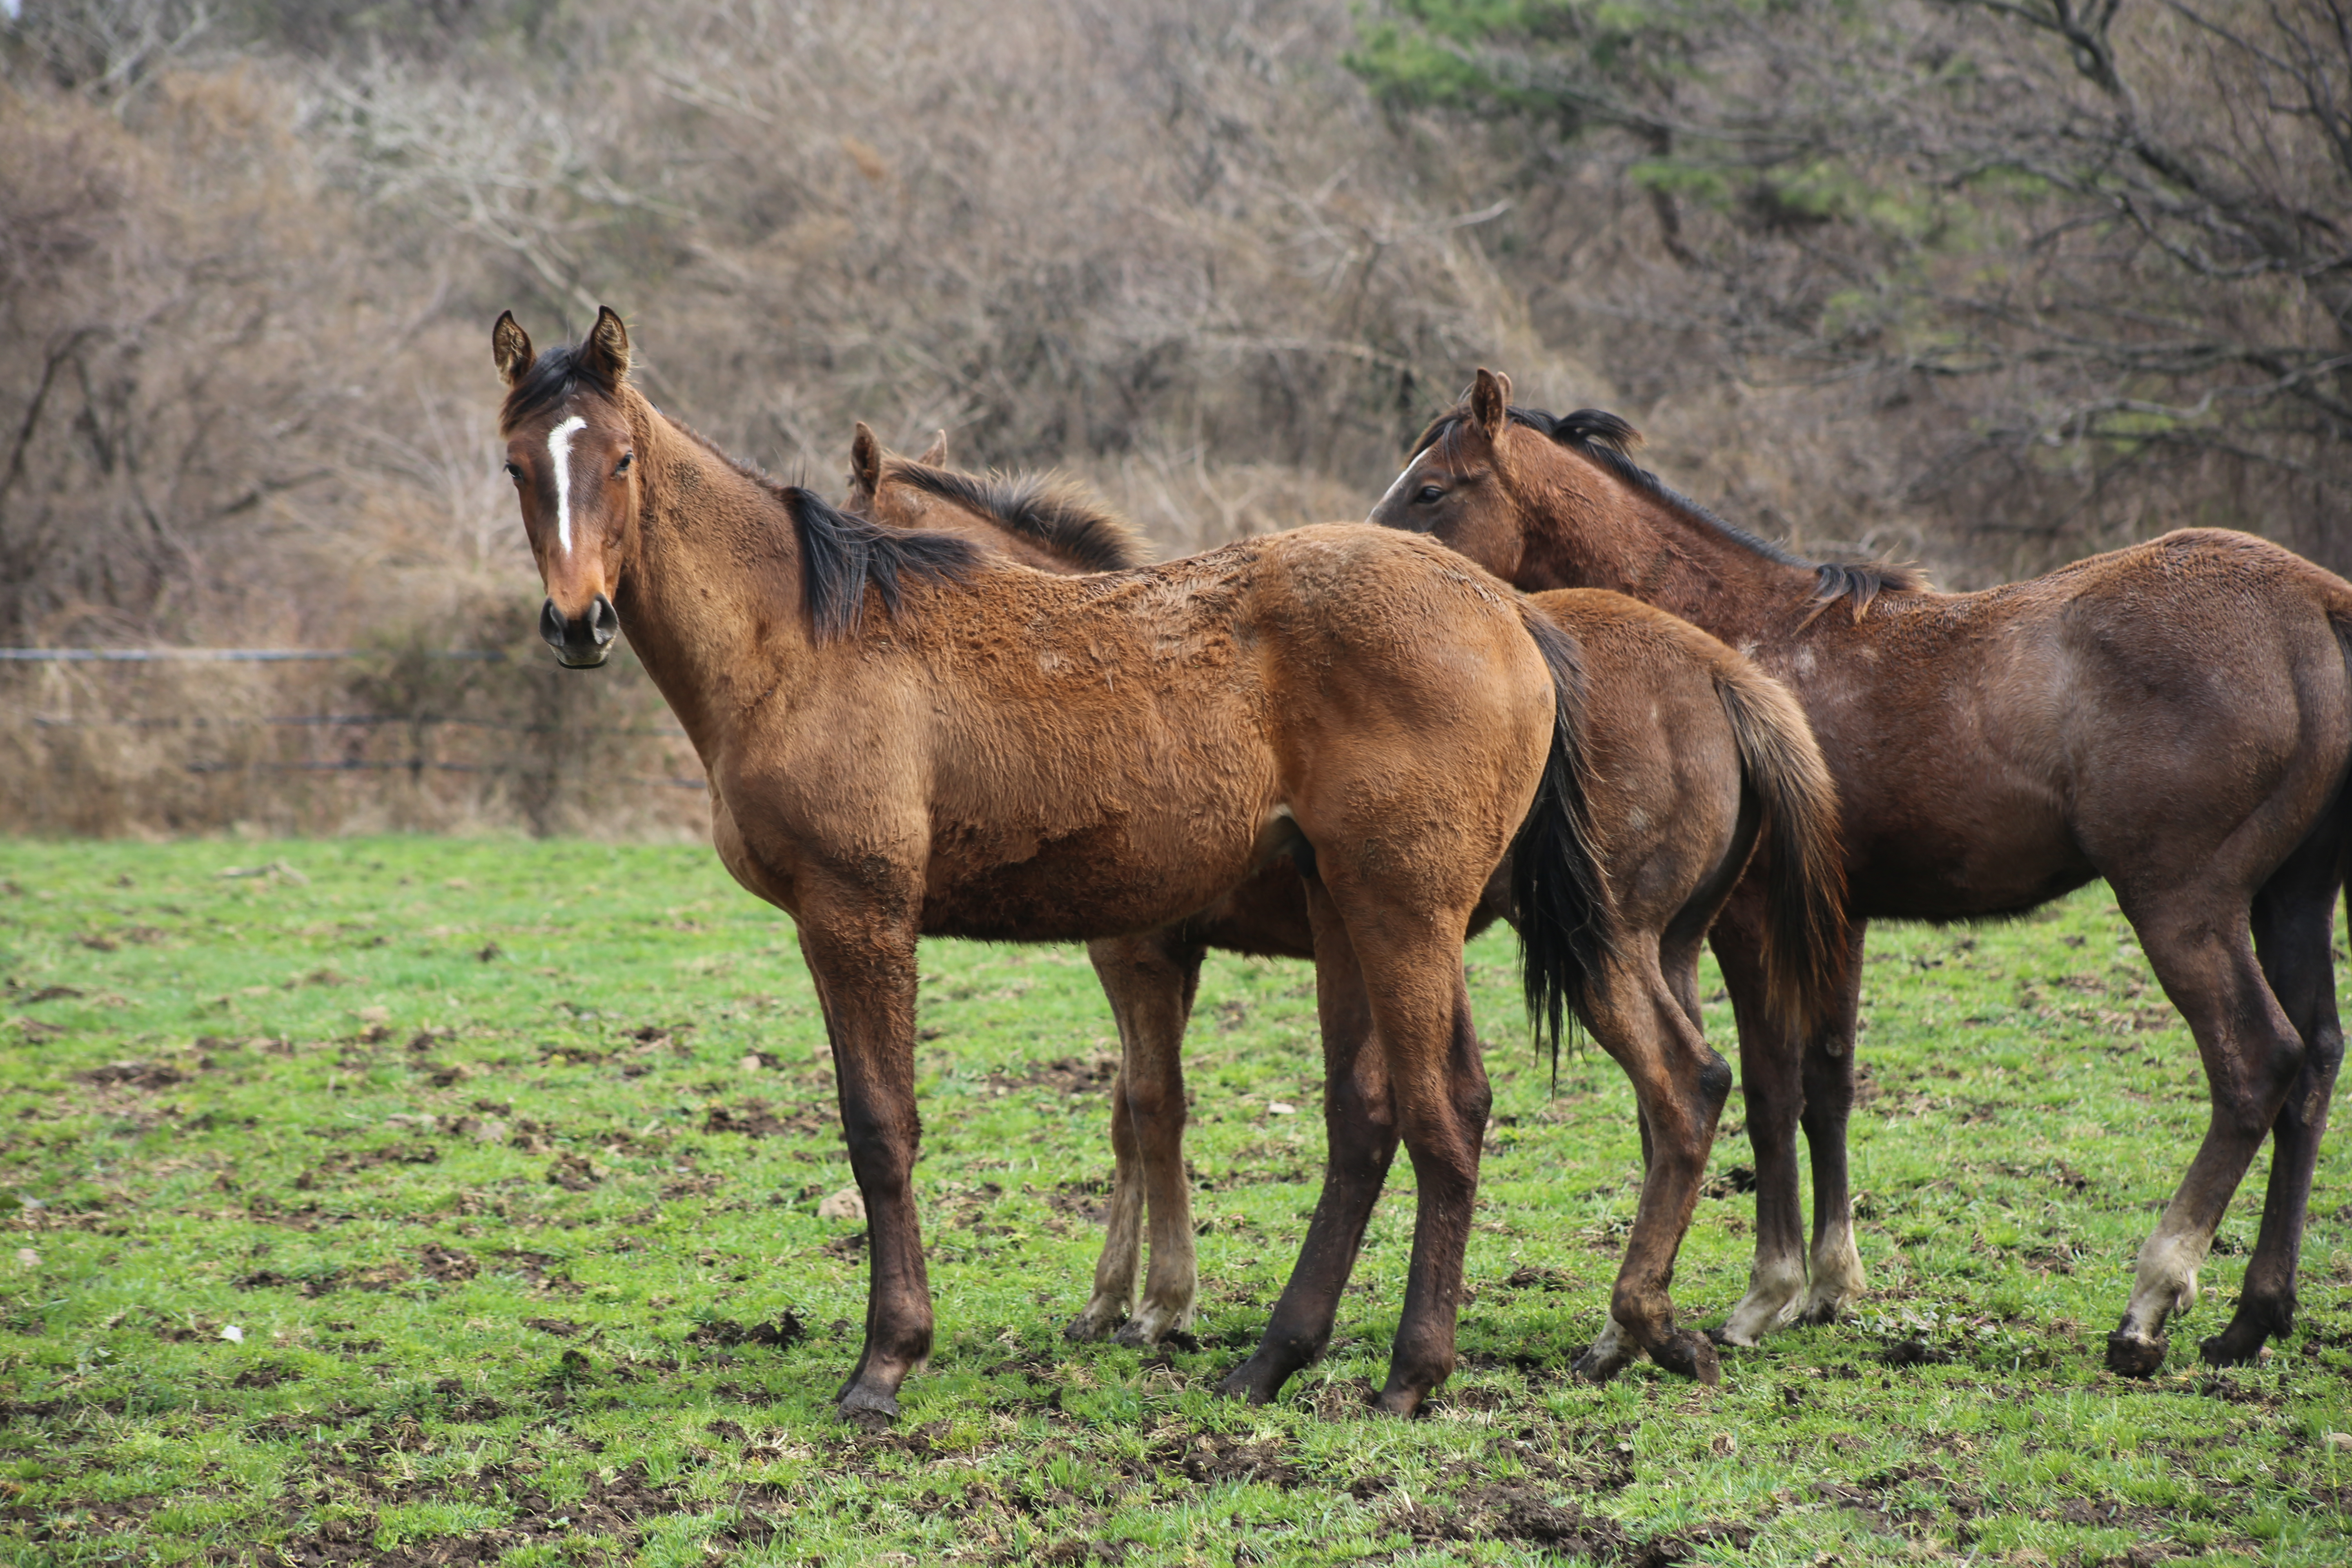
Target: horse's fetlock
x=1639, y=1308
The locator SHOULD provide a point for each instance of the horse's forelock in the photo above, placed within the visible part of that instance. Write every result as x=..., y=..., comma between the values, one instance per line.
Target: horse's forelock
x=553, y=379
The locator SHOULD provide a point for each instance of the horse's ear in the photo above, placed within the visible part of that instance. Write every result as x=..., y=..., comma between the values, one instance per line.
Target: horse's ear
x=604, y=352
x=1490, y=401
x=935, y=456
x=865, y=461
x=511, y=349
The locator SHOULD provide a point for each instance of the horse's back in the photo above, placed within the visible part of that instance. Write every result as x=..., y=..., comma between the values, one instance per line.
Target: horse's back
x=2053, y=729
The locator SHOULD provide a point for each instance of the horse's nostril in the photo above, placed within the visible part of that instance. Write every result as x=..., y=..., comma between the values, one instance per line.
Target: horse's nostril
x=550, y=626
x=603, y=620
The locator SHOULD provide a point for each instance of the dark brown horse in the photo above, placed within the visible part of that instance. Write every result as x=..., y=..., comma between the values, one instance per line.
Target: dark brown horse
x=1694, y=756
x=2176, y=718
x=905, y=736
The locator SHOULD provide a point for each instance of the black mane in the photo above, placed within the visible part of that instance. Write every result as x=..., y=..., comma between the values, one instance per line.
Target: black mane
x=842, y=556
x=1057, y=514
x=1606, y=440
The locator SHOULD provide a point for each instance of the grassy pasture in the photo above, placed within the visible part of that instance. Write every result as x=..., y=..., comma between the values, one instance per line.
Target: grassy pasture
x=505, y=1161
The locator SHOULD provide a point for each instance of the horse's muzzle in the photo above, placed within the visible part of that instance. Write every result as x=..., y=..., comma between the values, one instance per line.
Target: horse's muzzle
x=583, y=641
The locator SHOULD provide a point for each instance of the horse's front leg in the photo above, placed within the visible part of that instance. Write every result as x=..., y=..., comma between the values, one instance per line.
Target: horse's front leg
x=864, y=963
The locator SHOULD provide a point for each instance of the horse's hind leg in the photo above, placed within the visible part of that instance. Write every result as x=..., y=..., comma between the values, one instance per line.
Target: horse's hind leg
x=2294, y=927
x=1838, y=1277
x=1122, y=1253
x=1360, y=1136
x=1151, y=981
x=1156, y=997
x=2199, y=949
x=1681, y=1083
x=1773, y=1084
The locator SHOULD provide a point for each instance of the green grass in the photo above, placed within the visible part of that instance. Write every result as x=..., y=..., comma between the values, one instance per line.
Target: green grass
x=353, y=1102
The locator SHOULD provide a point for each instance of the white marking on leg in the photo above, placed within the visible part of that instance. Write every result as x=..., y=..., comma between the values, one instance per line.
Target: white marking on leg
x=1614, y=1345
x=1776, y=1293
x=559, y=448
x=2167, y=1284
x=1838, y=1277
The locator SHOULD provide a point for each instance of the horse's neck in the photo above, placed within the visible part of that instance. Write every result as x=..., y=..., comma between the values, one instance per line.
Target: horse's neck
x=710, y=600
x=1599, y=532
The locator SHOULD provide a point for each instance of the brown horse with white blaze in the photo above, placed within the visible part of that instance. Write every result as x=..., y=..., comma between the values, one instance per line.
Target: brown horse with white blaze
x=1693, y=756
x=907, y=737
x=2175, y=716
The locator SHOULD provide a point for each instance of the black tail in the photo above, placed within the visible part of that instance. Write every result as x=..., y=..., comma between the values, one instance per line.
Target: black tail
x=1559, y=890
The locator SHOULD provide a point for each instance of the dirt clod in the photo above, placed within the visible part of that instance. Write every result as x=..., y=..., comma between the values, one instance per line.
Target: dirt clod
x=726, y=1332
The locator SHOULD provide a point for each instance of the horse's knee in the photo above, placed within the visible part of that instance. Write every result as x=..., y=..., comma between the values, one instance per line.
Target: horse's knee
x=1154, y=1102
x=881, y=1151
x=1715, y=1080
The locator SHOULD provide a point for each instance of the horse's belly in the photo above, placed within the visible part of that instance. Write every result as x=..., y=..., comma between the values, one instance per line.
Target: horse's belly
x=1943, y=871
x=1110, y=880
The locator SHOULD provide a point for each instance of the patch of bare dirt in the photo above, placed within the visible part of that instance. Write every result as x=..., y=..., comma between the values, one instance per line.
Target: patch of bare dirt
x=312, y=1284
x=538, y=1270
x=136, y=1075
x=1208, y=1457
x=607, y=1525
x=446, y=1264
x=752, y=1119
x=348, y=1162
x=726, y=1332
x=1063, y=1075
x=1520, y=1514
x=573, y=1174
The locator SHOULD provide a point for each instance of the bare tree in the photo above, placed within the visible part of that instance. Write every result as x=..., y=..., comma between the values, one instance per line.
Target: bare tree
x=2091, y=264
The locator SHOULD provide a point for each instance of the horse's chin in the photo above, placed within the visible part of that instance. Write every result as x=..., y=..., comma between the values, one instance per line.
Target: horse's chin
x=593, y=661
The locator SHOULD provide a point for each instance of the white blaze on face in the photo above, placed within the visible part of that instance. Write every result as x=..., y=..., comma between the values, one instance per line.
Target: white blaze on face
x=559, y=448
x=1395, y=485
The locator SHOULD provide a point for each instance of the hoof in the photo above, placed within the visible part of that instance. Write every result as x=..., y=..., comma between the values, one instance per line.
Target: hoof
x=1828, y=1310
x=1599, y=1366
x=2128, y=1355
x=1138, y=1333
x=2232, y=1348
x=1723, y=1334
x=1088, y=1328
x=1252, y=1382
x=1405, y=1401
x=1686, y=1354
x=870, y=1408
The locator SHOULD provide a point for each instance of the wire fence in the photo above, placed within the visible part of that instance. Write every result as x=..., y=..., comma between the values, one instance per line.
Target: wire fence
x=323, y=740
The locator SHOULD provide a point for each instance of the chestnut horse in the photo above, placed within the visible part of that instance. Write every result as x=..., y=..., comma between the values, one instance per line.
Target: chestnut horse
x=906, y=736
x=1695, y=755
x=2175, y=716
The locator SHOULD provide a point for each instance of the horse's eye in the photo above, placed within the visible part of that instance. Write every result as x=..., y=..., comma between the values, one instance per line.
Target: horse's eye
x=1428, y=493
x=622, y=466
x=514, y=472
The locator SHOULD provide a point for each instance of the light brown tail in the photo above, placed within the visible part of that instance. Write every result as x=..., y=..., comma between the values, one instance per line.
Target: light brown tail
x=1804, y=869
